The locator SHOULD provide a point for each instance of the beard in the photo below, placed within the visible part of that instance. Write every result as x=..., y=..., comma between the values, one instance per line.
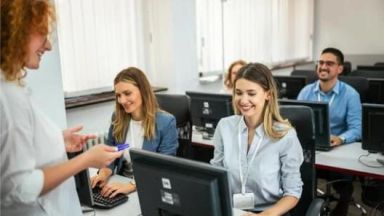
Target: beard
x=323, y=78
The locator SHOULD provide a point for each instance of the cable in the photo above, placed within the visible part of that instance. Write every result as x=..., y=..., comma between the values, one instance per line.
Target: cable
x=86, y=209
x=368, y=165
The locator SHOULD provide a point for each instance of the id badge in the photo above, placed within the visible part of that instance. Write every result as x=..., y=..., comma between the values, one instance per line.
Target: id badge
x=244, y=201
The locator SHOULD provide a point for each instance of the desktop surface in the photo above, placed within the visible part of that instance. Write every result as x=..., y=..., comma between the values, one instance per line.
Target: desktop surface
x=346, y=159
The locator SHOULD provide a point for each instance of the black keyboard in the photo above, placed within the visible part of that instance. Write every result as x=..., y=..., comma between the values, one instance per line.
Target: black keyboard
x=107, y=202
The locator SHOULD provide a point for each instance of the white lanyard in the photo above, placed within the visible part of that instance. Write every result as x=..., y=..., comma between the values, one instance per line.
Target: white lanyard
x=330, y=101
x=243, y=179
x=131, y=128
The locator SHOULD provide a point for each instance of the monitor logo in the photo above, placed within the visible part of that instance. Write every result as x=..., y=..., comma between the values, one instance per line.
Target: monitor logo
x=166, y=197
x=166, y=183
x=170, y=198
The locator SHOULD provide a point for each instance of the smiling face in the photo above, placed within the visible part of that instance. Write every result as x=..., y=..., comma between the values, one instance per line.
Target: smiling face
x=129, y=97
x=328, y=67
x=250, y=99
x=38, y=44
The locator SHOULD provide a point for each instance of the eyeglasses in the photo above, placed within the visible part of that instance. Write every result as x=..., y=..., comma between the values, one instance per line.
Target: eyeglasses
x=327, y=63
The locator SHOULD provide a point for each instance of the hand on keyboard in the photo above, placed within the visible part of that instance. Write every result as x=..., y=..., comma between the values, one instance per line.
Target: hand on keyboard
x=114, y=188
x=107, y=202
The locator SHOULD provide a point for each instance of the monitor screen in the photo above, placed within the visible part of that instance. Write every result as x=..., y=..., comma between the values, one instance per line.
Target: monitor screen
x=290, y=86
x=172, y=186
x=321, y=120
x=208, y=108
x=373, y=119
x=83, y=185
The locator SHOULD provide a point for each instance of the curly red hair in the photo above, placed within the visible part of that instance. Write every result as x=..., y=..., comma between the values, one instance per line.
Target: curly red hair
x=228, y=77
x=20, y=18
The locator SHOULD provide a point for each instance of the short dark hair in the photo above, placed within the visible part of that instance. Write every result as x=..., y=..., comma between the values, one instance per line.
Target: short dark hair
x=339, y=55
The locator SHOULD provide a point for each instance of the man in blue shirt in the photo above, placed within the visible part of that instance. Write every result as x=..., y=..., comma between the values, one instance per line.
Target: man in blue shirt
x=345, y=114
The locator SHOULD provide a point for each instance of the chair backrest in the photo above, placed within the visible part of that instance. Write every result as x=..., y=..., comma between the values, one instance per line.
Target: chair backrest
x=360, y=84
x=310, y=74
x=179, y=106
x=347, y=68
x=302, y=119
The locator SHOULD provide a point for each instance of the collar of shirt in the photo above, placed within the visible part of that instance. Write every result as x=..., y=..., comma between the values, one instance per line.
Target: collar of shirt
x=336, y=88
x=243, y=128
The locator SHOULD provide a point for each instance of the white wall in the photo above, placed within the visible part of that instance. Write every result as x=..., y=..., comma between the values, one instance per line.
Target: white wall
x=47, y=88
x=356, y=27
x=95, y=118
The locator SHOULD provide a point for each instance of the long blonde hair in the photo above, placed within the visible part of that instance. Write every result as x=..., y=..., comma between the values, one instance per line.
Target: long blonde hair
x=20, y=18
x=260, y=74
x=149, y=104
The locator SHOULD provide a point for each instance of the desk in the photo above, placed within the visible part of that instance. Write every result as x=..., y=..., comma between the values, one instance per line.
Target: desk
x=132, y=206
x=343, y=159
x=197, y=139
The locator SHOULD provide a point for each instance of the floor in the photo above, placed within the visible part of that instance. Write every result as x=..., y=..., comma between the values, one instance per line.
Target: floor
x=353, y=210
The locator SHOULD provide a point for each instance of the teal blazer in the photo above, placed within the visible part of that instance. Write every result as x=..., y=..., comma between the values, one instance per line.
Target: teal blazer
x=164, y=142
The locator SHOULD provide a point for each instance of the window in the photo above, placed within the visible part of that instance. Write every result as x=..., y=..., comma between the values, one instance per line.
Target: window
x=269, y=31
x=97, y=39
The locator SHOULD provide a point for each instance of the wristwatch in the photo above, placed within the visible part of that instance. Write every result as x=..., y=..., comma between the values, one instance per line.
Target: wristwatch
x=342, y=139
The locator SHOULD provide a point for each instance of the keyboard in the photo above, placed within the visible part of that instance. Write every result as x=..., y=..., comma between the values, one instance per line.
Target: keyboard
x=107, y=202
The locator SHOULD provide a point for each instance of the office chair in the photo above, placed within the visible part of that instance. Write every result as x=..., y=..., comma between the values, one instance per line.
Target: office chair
x=360, y=84
x=347, y=68
x=302, y=119
x=310, y=74
x=178, y=106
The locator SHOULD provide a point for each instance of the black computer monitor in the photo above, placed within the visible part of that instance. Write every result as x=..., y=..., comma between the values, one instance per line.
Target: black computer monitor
x=208, y=108
x=172, y=186
x=370, y=68
x=321, y=120
x=83, y=184
x=376, y=90
x=290, y=86
x=373, y=120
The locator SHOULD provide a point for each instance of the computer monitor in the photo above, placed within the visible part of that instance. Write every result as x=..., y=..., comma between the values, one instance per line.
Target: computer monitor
x=290, y=86
x=83, y=184
x=373, y=119
x=208, y=108
x=172, y=186
x=370, y=68
x=376, y=90
x=321, y=120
